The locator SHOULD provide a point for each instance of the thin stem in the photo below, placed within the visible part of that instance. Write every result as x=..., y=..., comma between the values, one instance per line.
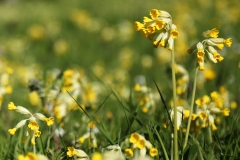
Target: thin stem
x=209, y=135
x=199, y=150
x=34, y=149
x=191, y=108
x=175, y=137
x=161, y=142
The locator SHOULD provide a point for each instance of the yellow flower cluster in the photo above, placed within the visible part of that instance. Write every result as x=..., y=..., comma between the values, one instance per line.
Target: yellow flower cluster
x=90, y=135
x=208, y=107
x=32, y=125
x=210, y=46
x=183, y=80
x=181, y=113
x=159, y=24
x=139, y=142
x=144, y=97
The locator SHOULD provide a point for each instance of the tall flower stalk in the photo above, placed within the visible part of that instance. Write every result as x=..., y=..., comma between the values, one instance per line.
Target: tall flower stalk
x=160, y=25
x=210, y=45
x=175, y=141
x=191, y=108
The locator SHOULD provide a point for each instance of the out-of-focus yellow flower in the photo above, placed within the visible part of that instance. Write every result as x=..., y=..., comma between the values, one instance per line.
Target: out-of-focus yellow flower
x=97, y=156
x=60, y=47
x=12, y=131
x=138, y=142
x=209, y=74
x=29, y=156
x=34, y=98
x=90, y=135
x=213, y=33
x=147, y=61
x=68, y=73
x=137, y=87
x=70, y=151
x=8, y=89
x=144, y=96
x=183, y=80
x=91, y=124
x=36, y=32
x=153, y=152
x=209, y=107
x=77, y=153
x=19, y=125
x=129, y=152
x=11, y=106
x=37, y=133
x=181, y=113
x=233, y=104
x=19, y=109
x=49, y=121
x=226, y=111
x=134, y=138
x=32, y=156
x=204, y=100
x=33, y=142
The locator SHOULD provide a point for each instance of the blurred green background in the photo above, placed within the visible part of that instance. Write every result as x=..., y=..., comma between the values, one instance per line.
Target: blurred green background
x=42, y=35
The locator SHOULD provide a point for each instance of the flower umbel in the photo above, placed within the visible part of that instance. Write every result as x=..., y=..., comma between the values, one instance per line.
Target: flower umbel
x=160, y=25
x=33, y=122
x=209, y=107
x=138, y=142
x=210, y=46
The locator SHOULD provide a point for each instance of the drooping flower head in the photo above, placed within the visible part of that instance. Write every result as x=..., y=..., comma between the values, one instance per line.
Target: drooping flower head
x=160, y=25
x=209, y=46
x=140, y=143
x=33, y=126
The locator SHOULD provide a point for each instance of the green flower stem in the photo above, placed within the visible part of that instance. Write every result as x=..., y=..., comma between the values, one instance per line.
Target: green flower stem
x=209, y=134
x=34, y=148
x=199, y=150
x=175, y=143
x=161, y=142
x=191, y=108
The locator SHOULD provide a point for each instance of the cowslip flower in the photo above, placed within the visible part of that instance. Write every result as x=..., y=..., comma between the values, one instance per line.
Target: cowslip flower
x=32, y=121
x=209, y=107
x=144, y=97
x=92, y=130
x=32, y=156
x=77, y=153
x=181, y=113
x=97, y=156
x=209, y=46
x=140, y=143
x=183, y=80
x=160, y=25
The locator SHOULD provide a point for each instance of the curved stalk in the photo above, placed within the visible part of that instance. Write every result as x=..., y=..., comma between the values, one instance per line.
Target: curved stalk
x=191, y=108
x=162, y=145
